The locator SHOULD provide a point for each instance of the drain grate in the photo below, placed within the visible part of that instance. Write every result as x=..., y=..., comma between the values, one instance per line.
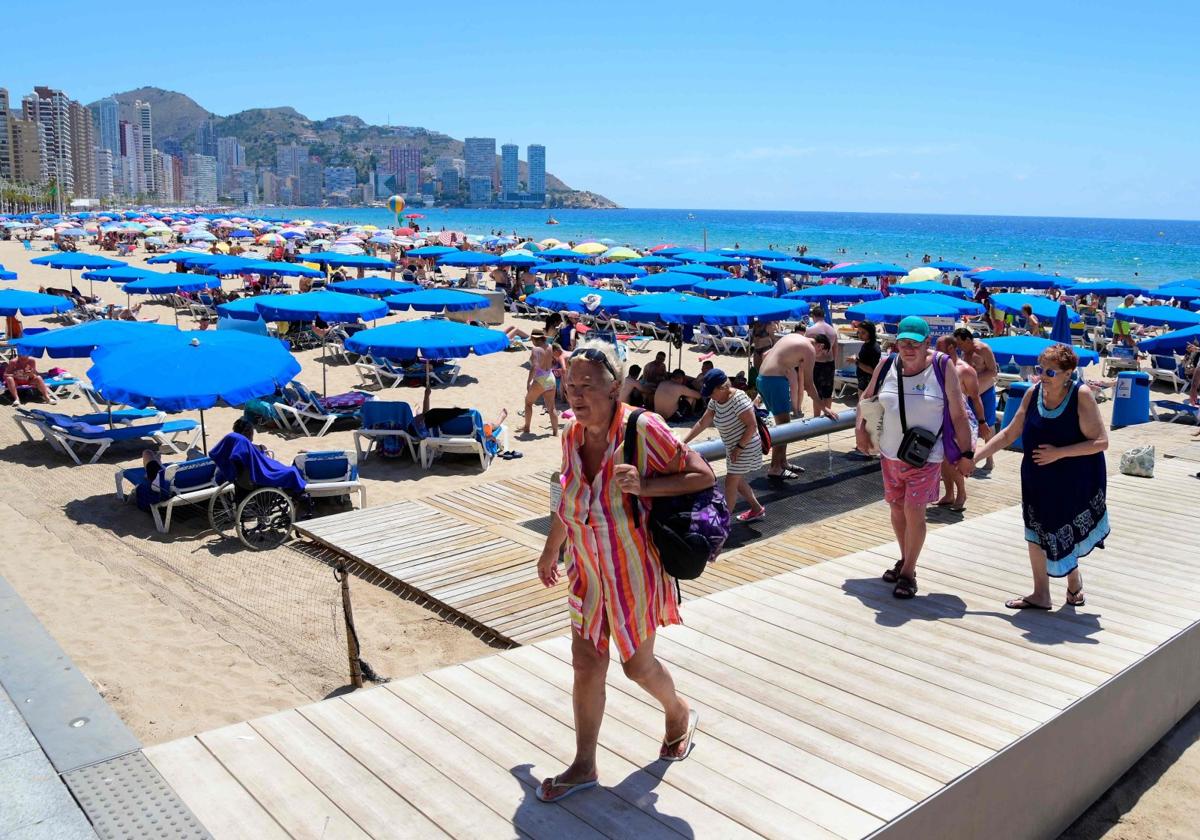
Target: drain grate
x=126, y=797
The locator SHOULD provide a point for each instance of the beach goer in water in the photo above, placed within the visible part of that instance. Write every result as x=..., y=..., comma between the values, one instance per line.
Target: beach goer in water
x=980, y=356
x=955, y=482
x=909, y=489
x=618, y=593
x=788, y=363
x=23, y=371
x=674, y=398
x=1063, y=476
x=541, y=384
x=733, y=413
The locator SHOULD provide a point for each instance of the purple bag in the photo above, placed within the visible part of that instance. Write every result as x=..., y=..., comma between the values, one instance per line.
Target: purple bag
x=949, y=443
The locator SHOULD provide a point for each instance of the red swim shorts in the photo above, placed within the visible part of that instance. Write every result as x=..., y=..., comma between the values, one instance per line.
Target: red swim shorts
x=903, y=484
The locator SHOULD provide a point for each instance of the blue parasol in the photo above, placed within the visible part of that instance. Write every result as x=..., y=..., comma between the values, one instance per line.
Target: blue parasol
x=707, y=272
x=1043, y=307
x=373, y=286
x=328, y=306
x=324, y=258
x=1153, y=316
x=1176, y=341
x=867, y=269
x=834, y=293
x=1025, y=349
x=1061, y=331
x=791, y=267
x=438, y=300
x=431, y=251
x=751, y=308
x=735, y=286
x=428, y=339
x=928, y=286
x=893, y=309
x=709, y=258
x=674, y=308
x=76, y=262
x=1105, y=288
x=153, y=283
x=666, y=281
x=19, y=302
x=78, y=342
x=949, y=265
x=564, y=267
x=571, y=298
x=468, y=259
x=119, y=273
x=622, y=270
x=995, y=278
x=652, y=261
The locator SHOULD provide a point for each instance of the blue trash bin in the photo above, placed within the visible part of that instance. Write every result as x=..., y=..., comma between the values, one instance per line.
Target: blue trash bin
x=1131, y=402
x=1012, y=403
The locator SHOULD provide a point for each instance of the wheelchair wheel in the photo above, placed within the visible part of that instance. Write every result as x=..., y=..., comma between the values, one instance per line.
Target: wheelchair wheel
x=222, y=512
x=264, y=519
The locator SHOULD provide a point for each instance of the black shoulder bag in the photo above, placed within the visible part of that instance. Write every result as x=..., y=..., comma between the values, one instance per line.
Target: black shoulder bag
x=917, y=444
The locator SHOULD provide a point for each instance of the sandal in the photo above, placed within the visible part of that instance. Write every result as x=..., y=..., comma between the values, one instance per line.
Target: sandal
x=1077, y=598
x=906, y=587
x=686, y=739
x=893, y=574
x=1023, y=603
x=567, y=788
x=751, y=516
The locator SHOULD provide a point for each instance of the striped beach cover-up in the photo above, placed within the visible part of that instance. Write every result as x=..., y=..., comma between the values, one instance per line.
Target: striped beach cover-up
x=616, y=584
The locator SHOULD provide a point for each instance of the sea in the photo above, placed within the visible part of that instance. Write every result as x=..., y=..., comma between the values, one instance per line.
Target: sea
x=1135, y=250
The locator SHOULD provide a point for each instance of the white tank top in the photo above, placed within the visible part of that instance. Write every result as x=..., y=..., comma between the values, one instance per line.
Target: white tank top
x=923, y=406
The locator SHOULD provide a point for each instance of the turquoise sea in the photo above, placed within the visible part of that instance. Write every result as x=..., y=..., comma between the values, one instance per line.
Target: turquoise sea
x=1155, y=252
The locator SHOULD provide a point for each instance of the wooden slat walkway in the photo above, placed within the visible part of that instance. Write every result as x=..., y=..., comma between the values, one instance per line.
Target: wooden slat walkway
x=827, y=708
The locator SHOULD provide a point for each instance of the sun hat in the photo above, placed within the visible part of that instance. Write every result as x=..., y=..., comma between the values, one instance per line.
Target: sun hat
x=913, y=328
x=713, y=380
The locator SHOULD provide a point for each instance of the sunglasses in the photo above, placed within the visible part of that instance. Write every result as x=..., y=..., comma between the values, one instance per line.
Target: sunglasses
x=1049, y=373
x=597, y=356
x=908, y=344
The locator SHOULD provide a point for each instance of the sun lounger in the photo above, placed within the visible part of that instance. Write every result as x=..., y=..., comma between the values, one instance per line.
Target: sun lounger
x=1174, y=411
x=332, y=473
x=845, y=381
x=1168, y=368
x=463, y=434
x=301, y=407
x=186, y=482
x=381, y=419
x=66, y=434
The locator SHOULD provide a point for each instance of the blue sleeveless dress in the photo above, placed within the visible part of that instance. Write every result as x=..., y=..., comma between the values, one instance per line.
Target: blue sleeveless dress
x=1064, y=502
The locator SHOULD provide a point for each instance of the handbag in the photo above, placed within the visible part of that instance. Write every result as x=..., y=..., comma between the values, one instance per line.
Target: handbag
x=688, y=530
x=917, y=444
x=871, y=409
x=1138, y=461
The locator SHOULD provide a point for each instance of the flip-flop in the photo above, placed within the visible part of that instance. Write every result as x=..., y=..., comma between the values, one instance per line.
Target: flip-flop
x=941, y=503
x=958, y=508
x=791, y=473
x=1011, y=604
x=751, y=516
x=568, y=788
x=687, y=738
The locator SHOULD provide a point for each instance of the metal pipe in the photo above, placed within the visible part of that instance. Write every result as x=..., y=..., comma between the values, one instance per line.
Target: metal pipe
x=714, y=450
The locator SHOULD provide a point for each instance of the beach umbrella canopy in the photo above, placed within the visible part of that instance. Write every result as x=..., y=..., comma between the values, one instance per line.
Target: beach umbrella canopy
x=438, y=300
x=200, y=235
x=1175, y=341
x=1061, y=330
x=620, y=253
x=346, y=260
x=571, y=298
x=468, y=259
x=77, y=261
x=559, y=254
x=222, y=265
x=78, y=342
x=241, y=234
x=791, y=267
x=1043, y=307
x=753, y=308
x=155, y=283
x=867, y=269
x=374, y=286
x=19, y=302
x=893, y=309
x=735, y=286
x=928, y=286
x=590, y=248
x=622, y=270
x=329, y=306
x=119, y=273
x=834, y=293
x=709, y=258
x=674, y=308
x=1153, y=316
x=428, y=339
x=652, y=261
x=1187, y=294
x=5, y=274
x=1025, y=349
x=520, y=260
x=666, y=281
x=949, y=265
x=994, y=277
x=1190, y=282
x=764, y=255
x=1105, y=288
x=182, y=256
x=432, y=251
x=560, y=267
x=703, y=270
x=923, y=272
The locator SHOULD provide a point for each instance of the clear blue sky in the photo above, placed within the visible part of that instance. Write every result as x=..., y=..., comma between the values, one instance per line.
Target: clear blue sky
x=1044, y=108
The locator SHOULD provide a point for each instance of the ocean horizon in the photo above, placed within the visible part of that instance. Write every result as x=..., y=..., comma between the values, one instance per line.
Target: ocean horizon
x=1148, y=250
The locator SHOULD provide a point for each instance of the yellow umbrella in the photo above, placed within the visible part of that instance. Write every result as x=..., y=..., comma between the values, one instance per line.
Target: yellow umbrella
x=549, y=243
x=590, y=248
x=370, y=227
x=923, y=273
x=621, y=253
x=223, y=247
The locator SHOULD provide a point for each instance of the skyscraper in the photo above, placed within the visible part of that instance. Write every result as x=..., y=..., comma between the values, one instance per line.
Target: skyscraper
x=6, y=137
x=288, y=159
x=51, y=109
x=402, y=160
x=145, y=122
x=339, y=179
x=310, y=183
x=83, y=151
x=28, y=160
x=107, y=118
x=105, y=186
x=231, y=154
x=206, y=139
x=480, y=154
x=536, y=155
x=200, y=183
x=509, y=172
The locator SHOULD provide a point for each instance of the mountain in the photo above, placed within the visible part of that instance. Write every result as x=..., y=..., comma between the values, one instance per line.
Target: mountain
x=338, y=141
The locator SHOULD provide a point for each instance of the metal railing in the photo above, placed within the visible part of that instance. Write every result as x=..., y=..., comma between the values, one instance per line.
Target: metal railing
x=714, y=450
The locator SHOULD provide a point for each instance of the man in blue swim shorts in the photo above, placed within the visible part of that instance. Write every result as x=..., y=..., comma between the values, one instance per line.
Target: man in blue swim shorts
x=979, y=356
x=791, y=358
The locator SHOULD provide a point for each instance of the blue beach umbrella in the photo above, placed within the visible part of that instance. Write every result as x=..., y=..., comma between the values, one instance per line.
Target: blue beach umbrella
x=1105, y=288
x=765, y=256
x=119, y=273
x=735, y=286
x=560, y=267
x=702, y=270
x=241, y=234
x=867, y=269
x=374, y=286
x=1153, y=316
x=6, y=274
x=666, y=281
x=1025, y=349
x=1175, y=341
x=518, y=260
x=78, y=342
x=893, y=309
x=242, y=309
x=181, y=256
x=996, y=278
x=468, y=259
x=154, y=283
x=176, y=370
x=328, y=306
x=834, y=293
x=1043, y=307
x=437, y=300
x=949, y=265
x=19, y=302
x=428, y=339
x=621, y=270
x=1061, y=330
x=1187, y=281
x=1186, y=294
x=752, y=308
x=791, y=267
x=324, y=258
x=76, y=262
x=241, y=265
x=652, y=261
x=928, y=286
x=559, y=254
x=571, y=298
x=673, y=251
x=709, y=258
x=431, y=251
x=673, y=308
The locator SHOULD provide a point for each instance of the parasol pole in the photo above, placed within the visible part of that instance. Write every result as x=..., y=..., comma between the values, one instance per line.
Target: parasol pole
x=203, y=432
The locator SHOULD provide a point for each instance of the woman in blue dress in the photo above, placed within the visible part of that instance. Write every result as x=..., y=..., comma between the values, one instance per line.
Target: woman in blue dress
x=1063, y=480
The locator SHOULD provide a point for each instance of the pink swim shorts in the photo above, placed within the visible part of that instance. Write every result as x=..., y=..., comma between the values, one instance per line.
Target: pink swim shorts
x=903, y=484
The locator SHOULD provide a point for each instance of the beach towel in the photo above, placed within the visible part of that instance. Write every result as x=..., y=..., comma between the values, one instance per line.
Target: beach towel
x=234, y=453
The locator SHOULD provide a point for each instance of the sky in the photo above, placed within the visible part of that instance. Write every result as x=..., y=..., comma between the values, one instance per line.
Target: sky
x=1052, y=108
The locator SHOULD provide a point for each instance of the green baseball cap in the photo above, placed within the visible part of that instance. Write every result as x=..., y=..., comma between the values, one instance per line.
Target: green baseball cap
x=913, y=328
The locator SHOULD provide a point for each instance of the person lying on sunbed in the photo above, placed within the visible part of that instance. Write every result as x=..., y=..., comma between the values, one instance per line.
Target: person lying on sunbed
x=430, y=420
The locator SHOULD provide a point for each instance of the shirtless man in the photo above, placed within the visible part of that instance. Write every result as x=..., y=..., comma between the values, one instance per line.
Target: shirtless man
x=23, y=371
x=955, y=496
x=656, y=371
x=783, y=367
x=669, y=395
x=980, y=357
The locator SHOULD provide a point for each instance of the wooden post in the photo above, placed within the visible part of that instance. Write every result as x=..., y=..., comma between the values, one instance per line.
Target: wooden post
x=356, y=675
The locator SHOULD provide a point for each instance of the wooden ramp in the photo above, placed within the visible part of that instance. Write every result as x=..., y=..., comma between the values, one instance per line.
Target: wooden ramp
x=827, y=708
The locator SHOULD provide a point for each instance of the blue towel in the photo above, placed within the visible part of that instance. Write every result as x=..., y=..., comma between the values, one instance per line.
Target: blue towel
x=235, y=452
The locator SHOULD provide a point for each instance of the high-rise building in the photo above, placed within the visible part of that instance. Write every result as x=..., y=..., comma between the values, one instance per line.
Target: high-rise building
x=288, y=160
x=83, y=151
x=509, y=172
x=230, y=155
x=164, y=177
x=536, y=155
x=244, y=185
x=206, y=138
x=106, y=116
x=479, y=189
x=176, y=178
x=449, y=179
x=172, y=146
x=339, y=179
x=310, y=183
x=51, y=108
x=28, y=160
x=130, y=178
x=402, y=160
x=480, y=154
x=200, y=183
x=6, y=137
x=105, y=187
x=268, y=187
x=145, y=122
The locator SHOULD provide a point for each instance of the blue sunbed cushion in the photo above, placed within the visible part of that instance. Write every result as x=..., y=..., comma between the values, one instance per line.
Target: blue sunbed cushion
x=325, y=469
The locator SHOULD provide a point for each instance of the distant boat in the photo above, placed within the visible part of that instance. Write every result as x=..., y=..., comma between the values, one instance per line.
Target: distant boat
x=691, y=216
x=550, y=220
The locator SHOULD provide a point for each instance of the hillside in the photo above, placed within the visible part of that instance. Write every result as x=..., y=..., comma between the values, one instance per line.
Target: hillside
x=339, y=141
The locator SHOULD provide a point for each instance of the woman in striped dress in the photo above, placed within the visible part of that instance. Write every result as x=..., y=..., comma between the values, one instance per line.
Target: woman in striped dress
x=617, y=588
x=733, y=413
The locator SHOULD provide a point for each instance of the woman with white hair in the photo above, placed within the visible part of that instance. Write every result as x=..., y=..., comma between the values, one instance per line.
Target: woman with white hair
x=617, y=588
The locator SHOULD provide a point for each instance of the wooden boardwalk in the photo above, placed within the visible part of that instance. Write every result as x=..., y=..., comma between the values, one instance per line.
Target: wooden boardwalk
x=827, y=708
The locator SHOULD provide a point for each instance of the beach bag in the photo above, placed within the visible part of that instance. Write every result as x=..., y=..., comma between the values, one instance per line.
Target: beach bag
x=688, y=530
x=870, y=409
x=764, y=432
x=1138, y=461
